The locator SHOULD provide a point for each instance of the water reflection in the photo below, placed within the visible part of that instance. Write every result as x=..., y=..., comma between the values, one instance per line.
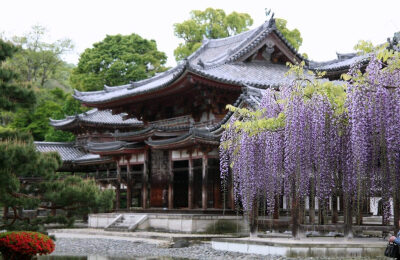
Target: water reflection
x=99, y=257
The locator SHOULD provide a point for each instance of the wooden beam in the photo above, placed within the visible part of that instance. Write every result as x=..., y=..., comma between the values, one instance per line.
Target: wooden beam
x=145, y=179
x=204, y=182
x=190, y=188
x=117, y=195
x=129, y=185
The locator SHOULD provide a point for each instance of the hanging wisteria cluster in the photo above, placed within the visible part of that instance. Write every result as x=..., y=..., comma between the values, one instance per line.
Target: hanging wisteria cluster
x=314, y=137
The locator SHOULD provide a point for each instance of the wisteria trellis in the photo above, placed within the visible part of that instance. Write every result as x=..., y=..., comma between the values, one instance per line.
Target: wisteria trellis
x=343, y=138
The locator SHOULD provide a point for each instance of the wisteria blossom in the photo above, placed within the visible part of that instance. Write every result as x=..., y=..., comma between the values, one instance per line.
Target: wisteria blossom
x=335, y=137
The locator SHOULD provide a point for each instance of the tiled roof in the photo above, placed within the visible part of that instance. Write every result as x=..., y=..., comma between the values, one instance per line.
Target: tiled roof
x=342, y=63
x=216, y=59
x=112, y=146
x=198, y=135
x=258, y=74
x=96, y=117
x=67, y=151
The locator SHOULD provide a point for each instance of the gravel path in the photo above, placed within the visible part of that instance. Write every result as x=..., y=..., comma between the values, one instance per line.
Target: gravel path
x=134, y=249
x=126, y=248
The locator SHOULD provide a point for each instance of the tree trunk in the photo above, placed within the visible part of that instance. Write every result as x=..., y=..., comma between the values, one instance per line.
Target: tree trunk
x=396, y=211
x=253, y=217
x=348, y=217
x=311, y=202
x=5, y=213
x=359, y=212
x=321, y=212
x=334, y=209
x=276, y=207
x=295, y=216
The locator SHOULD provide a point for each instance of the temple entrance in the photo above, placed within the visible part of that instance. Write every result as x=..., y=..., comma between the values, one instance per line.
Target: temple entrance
x=181, y=183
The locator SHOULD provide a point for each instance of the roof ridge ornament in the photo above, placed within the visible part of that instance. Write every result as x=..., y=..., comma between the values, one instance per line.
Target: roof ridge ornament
x=271, y=20
x=201, y=63
x=394, y=42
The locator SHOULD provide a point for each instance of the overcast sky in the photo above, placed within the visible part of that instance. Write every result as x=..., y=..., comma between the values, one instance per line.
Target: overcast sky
x=327, y=27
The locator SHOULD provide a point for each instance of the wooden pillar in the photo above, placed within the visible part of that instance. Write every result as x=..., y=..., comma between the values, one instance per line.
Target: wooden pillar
x=97, y=174
x=204, y=182
x=145, y=179
x=118, y=188
x=117, y=195
x=108, y=172
x=128, y=187
x=170, y=183
x=190, y=188
x=118, y=172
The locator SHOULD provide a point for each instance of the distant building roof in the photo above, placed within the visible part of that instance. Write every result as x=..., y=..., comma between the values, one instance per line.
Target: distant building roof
x=96, y=117
x=69, y=152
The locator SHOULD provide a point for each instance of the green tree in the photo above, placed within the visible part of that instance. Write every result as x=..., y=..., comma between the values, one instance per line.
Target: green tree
x=212, y=23
x=292, y=36
x=78, y=197
x=54, y=104
x=116, y=60
x=38, y=61
x=11, y=94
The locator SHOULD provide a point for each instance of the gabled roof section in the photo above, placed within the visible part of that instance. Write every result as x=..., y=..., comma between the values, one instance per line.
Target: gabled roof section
x=343, y=62
x=217, y=59
x=69, y=152
x=215, y=52
x=96, y=117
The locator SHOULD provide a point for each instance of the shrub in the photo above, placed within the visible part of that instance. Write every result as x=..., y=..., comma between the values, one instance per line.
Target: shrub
x=24, y=245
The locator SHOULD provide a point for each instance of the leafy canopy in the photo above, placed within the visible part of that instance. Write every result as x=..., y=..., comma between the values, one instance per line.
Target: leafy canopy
x=215, y=23
x=37, y=61
x=212, y=23
x=292, y=36
x=11, y=94
x=117, y=60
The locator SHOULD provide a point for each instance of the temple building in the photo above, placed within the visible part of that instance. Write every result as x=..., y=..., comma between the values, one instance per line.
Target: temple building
x=157, y=140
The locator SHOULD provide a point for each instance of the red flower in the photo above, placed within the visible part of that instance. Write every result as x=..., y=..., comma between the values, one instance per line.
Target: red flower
x=25, y=244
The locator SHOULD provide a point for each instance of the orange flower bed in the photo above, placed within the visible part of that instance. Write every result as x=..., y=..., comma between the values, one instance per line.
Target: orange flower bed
x=24, y=245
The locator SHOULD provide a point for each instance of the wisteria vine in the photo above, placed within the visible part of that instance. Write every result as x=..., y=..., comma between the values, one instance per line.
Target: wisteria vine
x=337, y=137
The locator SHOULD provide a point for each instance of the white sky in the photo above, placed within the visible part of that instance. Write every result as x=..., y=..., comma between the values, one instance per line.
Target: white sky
x=327, y=27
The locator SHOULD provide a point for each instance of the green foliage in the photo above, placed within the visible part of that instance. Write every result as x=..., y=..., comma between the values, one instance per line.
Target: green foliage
x=11, y=94
x=116, y=60
x=306, y=84
x=212, y=23
x=76, y=195
x=388, y=56
x=37, y=61
x=292, y=36
x=19, y=158
x=54, y=104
